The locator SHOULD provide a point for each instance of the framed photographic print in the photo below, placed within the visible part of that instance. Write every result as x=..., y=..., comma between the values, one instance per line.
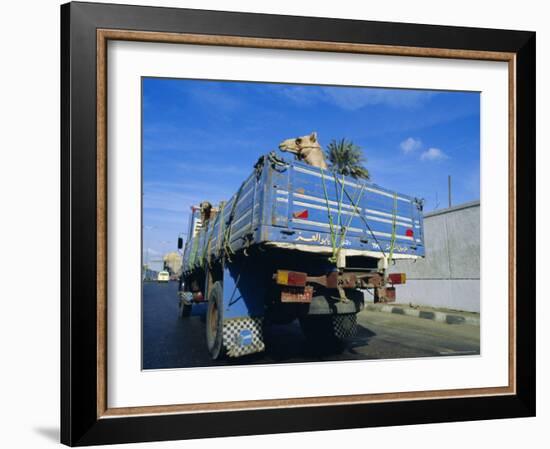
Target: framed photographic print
x=281, y=224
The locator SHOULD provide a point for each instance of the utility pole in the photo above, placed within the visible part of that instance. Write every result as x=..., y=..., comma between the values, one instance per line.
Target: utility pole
x=450, y=202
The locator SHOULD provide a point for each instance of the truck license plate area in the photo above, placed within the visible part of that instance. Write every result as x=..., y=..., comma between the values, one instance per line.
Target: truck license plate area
x=297, y=294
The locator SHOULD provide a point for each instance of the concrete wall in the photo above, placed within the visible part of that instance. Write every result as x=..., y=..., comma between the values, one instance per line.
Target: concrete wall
x=449, y=274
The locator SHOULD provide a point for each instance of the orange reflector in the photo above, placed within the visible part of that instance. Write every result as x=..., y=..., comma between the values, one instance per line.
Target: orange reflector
x=282, y=277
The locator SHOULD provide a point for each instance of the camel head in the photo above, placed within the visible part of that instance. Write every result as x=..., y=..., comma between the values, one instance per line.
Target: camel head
x=298, y=144
x=306, y=148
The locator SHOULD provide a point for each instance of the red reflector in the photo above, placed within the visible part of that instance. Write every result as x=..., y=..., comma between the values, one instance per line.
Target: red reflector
x=296, y=279
x=302, y=214
x=397, y=278
x=198, y=297
x=409, y=233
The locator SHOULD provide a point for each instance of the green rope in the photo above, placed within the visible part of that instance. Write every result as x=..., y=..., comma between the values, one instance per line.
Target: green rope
x=330, y=222
x=341, y=183
x=226, y=239
x=368, y=226
x=337, y=244
x=227, y=234
x=194, y=249
x=209, y=240
x=355, y=211
x=221, y=230
x=336, y=252
x=393, y=227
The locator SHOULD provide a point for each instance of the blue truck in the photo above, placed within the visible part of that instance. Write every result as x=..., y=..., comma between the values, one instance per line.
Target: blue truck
x=295, y=242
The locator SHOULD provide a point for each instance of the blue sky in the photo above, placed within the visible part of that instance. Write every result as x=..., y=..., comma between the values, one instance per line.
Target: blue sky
x=201, y=139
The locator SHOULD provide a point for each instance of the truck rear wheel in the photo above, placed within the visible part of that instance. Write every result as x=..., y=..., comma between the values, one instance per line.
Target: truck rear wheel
x=328, y=328
x=214, y=322
x=185, y=310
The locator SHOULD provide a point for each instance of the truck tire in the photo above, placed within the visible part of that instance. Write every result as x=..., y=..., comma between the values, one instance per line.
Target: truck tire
x=328, y=328
x=185, y=310
x=214, y=322
x=318, y=329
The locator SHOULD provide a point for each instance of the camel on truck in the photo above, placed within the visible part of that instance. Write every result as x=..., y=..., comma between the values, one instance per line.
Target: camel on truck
x=295, y=241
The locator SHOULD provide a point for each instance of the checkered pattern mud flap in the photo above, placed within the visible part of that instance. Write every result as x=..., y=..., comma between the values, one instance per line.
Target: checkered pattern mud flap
x=344, y=326
x=242, y=336
x=186, y=297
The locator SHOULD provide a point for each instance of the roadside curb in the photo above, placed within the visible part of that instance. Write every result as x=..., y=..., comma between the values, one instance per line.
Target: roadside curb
x=444, y=317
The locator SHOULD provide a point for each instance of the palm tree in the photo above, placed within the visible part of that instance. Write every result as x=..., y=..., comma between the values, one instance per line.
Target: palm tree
x=347, y=159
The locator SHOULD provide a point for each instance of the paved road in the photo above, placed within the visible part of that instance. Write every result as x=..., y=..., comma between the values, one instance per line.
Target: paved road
x=173, y=342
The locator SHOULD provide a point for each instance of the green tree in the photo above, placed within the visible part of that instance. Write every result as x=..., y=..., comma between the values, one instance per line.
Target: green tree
x=346, y=158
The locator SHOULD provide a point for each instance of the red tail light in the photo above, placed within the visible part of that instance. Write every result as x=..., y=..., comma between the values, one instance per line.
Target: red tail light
x=409, y=233
x=397, y=278
x=198, y=297
x=292, y=278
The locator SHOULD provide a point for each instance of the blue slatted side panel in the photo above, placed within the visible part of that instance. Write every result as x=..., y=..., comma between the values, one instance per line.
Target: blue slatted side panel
x=242, y=221
x=375, y=206
x=309, y=202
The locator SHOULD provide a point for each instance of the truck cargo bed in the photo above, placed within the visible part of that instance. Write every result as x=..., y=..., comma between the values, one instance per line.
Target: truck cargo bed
x=289, y=204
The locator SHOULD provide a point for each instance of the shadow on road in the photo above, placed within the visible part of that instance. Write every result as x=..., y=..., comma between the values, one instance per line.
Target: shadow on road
x=360, y=340
x=170, y=341
x=287, y=344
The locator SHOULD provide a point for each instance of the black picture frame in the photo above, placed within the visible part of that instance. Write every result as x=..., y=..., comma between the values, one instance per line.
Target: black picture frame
x=80, y=423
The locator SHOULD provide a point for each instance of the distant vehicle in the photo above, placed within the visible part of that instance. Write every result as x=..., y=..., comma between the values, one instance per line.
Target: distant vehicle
x=163, y=276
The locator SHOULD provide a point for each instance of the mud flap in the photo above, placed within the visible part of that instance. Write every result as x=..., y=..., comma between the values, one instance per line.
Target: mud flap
x=186, y=297
x=345, y=326
x=242, y=336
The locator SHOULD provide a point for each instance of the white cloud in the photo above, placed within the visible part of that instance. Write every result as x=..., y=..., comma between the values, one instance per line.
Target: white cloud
x=216, y=97
x=433, y=154
x=410, y=144
x=356, y=98
x=301, y=95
